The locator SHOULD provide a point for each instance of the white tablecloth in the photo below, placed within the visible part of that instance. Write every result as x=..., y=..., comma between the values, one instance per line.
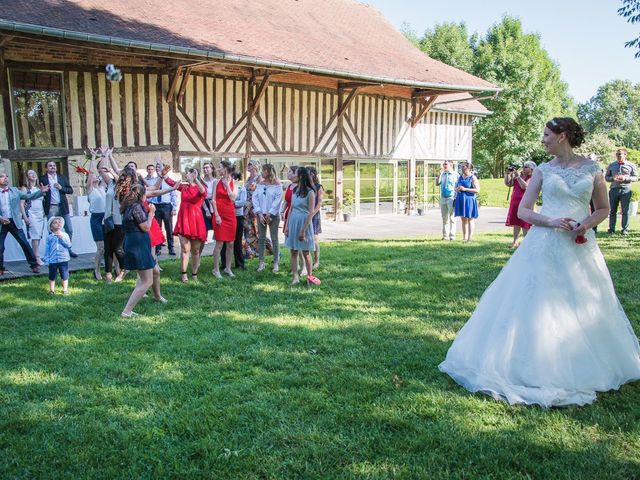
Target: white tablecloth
x=82, y=241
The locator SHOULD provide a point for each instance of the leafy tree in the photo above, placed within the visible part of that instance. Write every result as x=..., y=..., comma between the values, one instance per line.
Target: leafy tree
x=600, y=145
x=631, y=11
x=532, y=93
x=614, y=111
x=449, y=43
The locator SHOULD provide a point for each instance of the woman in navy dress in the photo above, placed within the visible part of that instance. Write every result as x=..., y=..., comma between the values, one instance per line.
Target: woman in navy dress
x=136, y=223
x=466, y=202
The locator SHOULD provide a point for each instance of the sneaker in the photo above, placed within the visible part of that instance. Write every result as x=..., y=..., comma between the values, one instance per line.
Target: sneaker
x=35, y=269
x=172, y=253
x=276, y=268
x=624, y=232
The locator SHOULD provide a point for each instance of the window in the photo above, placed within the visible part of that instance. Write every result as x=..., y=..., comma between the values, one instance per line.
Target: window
x=37, y=109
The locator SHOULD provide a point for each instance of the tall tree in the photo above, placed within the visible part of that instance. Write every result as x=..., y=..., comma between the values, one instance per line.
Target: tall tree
x=614, y=111
x=449, y=43
x=631, y=11
x=532, y=93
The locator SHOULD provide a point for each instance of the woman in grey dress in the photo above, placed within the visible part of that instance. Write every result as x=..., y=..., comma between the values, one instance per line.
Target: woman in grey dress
x=298, y=228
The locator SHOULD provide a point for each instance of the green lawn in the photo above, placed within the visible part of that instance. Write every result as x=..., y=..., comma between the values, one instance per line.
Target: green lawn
x=248, y=378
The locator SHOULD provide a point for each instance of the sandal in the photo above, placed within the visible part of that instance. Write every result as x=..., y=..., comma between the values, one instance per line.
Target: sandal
x=311, y=280
x=129, y=315
x=194, y=276
x=184, y=278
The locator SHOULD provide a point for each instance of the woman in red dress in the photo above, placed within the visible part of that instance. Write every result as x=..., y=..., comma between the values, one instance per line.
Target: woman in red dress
x=519, y=183
x=224, y=214
x=190, y=225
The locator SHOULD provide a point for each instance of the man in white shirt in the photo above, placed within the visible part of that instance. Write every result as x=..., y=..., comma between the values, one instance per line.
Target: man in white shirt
x=166, y=207
x=11, y=219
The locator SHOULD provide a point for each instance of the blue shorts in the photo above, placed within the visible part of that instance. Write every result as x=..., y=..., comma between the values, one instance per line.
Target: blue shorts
x=97, y=231
x=62, y=267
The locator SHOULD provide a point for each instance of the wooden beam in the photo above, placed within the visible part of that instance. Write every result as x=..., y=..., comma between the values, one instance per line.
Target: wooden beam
x=251, y=109
x=6, y=103
x=339, y=166
x=174, y=85
x=426, y=106
x=350, y=85
x=6, y=39
x=255, y=103
x=35, y=154
x=183, y=85
x=345, y=105
x=428, y=93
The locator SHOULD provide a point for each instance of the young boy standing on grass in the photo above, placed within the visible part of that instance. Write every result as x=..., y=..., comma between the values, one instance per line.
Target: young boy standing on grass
x=57, y=254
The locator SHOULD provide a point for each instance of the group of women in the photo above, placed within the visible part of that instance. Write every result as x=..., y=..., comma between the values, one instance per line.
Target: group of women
x=126, y=232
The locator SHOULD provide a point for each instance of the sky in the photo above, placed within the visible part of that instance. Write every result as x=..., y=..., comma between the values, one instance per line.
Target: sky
x=585, y=37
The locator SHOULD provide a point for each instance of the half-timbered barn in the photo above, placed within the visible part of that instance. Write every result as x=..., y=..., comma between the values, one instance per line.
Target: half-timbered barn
x=328, y=83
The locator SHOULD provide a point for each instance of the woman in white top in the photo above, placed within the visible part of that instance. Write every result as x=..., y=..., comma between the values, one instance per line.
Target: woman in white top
x=266, y=200
x=96, y=196
x=33, y=213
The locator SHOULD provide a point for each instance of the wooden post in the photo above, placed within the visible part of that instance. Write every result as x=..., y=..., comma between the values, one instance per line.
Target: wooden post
x=174, y=137
x=249, y=132
x=6, y=103
x=338, y=190
x=412, y=157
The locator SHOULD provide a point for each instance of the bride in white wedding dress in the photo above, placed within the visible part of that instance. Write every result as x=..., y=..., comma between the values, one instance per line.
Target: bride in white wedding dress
x=571, y=338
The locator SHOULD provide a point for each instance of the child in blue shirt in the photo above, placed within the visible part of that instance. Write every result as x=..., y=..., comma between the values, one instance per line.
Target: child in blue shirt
x=56, y=254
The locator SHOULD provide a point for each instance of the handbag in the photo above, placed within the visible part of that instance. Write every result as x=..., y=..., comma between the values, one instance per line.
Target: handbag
x=108, y=223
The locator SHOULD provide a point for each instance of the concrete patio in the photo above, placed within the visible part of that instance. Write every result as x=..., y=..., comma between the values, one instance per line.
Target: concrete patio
x=361, y=228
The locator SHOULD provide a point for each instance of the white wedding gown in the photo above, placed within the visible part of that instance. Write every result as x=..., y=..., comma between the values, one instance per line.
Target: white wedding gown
x=550, y=329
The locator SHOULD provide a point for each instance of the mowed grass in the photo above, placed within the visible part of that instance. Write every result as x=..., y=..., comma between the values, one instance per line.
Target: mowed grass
x=249, y=378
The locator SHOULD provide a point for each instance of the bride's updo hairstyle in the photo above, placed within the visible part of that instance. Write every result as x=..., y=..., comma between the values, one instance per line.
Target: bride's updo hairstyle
x=567, y=125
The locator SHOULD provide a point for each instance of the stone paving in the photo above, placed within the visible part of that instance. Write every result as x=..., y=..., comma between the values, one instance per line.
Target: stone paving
x=361, y=228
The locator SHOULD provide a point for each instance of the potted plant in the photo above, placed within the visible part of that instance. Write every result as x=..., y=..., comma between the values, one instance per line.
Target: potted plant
x=633, y=206
x=420, y=208
x=347, y=205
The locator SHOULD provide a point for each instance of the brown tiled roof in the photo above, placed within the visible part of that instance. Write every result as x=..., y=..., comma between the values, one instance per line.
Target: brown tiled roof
x=348, y=38
x=460, y=103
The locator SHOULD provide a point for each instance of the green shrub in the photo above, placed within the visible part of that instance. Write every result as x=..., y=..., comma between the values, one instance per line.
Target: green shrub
x=483, y=198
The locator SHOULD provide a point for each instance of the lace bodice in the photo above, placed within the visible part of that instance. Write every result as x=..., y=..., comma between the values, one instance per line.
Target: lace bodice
x=566, y=192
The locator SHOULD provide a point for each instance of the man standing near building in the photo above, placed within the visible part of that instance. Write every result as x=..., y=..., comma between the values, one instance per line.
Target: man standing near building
x=166, y=206
x=11, y=219
x=447, y=182
x=620, y=173
x=55, y=200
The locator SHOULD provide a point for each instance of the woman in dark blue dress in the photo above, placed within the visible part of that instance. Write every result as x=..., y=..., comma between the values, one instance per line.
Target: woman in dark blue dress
x=466, y=202
x=137, y=247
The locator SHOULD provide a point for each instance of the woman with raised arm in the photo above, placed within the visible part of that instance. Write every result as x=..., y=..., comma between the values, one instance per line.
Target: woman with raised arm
x=97, y=197
x=250, y=218
x=519, y=182
x=224, y=214
x=137, y=247
x=190, y=225
x=572, y=338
